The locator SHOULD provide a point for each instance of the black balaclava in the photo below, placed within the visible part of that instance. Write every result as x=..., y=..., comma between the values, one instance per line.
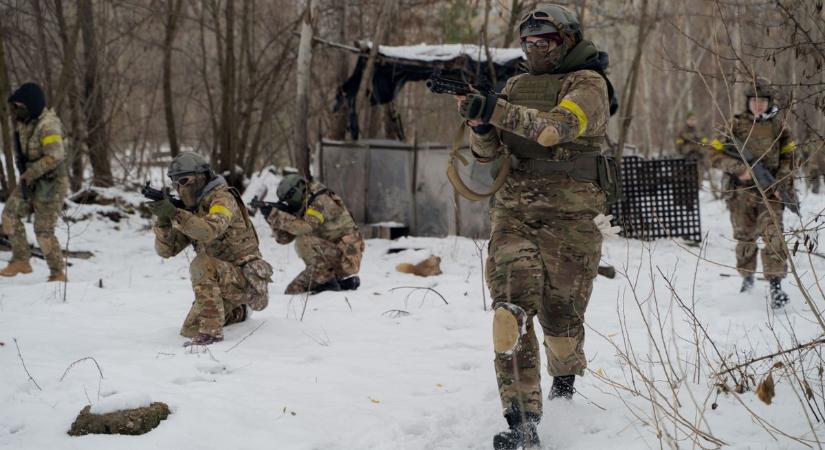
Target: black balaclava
x=32, y=96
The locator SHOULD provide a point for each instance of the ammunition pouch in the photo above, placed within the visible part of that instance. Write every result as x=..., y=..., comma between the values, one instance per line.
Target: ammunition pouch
x=588, y=167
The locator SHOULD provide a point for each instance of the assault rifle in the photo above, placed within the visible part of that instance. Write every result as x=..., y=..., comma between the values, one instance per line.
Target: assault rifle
x=439, y=85
x=267, y=207
x=763, y=177
x=20, y=162
x=157, y=194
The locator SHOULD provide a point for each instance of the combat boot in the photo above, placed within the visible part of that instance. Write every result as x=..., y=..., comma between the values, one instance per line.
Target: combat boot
x=563, y=387
x=778, y=297
x=16, y=267
x=522, y=433
x=59, y=276
x=350, y=284
x=331, y=285
x=203, y=339
x=747, y=284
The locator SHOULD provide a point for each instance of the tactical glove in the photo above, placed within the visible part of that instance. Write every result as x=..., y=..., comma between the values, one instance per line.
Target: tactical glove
x=607, y=230
x=163, y=209
x=477, y=106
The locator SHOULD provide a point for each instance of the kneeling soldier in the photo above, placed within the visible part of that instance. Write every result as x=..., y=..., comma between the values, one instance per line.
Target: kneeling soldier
x=326, y=237
x=227, y=273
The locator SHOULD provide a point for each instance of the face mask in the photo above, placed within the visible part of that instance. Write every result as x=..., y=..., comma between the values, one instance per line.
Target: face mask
x=190, y=191
x=544, y=62
x=21, y=113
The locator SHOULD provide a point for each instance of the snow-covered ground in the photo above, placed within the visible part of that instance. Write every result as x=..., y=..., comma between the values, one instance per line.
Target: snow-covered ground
x=354, y=375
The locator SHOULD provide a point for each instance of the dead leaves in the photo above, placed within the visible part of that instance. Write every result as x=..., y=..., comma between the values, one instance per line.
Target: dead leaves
x=766, y=389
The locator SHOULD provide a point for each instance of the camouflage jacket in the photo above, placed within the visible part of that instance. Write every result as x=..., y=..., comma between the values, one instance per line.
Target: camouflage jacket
x=769, y=141
x=690, y=143
x=45, y=155
x=582, y=110
x=324, y=216
x=218, y=227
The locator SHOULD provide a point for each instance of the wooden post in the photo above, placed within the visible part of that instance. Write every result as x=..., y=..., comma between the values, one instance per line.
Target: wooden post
x=414, y=229
x=302, y=70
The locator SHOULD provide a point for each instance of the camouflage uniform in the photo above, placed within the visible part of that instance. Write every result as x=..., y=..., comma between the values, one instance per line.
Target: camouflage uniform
x=544, y=247
x=226, y=247
x=770, y=142
x=42, y=143
x=690, y=144
x=326, y=238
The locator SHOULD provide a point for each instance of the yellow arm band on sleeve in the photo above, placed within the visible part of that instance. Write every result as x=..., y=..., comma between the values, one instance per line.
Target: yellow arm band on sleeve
x=789, y=147
x=680, y=141
x=717, y=145
x=571, y=106
x=220, y=209
x=315, y=213
x=50, y=139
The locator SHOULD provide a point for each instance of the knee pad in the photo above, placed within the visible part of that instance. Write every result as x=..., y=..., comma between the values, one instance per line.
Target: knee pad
x=509, y=325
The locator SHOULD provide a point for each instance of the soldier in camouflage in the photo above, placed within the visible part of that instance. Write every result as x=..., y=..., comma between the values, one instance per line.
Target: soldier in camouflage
x=44, y=182
x=544, y=247
x=691, y=145
x=227, y=273
x=326, y=237
x=763, y=132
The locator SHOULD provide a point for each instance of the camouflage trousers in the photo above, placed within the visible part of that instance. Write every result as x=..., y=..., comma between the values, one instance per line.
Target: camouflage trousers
x=547, y=270
x=46, y=212
x=326, y=260
x=751, y=219
x=220, y=293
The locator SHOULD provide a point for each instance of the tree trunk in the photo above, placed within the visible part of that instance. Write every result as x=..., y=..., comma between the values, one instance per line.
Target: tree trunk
x=5, y=117
x=365, y=87
x=228, y=81
x=67, y=89
x=40, y=26
x=173, y=11
x=96, y=137
x=302, y=74
x=338, y=126
x=646, y=24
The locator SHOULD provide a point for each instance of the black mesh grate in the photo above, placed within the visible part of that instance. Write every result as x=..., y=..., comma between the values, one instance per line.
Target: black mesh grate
x=660, y=199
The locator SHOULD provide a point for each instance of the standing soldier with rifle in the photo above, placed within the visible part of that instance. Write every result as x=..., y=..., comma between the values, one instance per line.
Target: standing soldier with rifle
x=228, y=273
x=326, y=237
x=44, y=182
x=690, y=145
x=760, y=137
x=545, y=243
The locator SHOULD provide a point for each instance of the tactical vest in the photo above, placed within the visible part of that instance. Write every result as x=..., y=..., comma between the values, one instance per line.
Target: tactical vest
x=239, y=244
x=333, y=228
x=541, y=92
x=762, y=139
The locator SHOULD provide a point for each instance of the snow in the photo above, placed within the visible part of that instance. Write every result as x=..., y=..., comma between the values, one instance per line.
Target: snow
x=446, y=52
x=121, y=401
x=352, y=375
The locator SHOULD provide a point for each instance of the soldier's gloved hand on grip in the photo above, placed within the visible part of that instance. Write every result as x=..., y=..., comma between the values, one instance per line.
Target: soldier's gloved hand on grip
x=607, y=230
x=26, y=178
x=477, y=107
x=163, y=209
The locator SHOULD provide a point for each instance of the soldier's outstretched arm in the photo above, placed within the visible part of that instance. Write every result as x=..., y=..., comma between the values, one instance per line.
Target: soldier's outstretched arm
x=51, y=141
x=213, y=225
x=168, y=241
x=582, y=111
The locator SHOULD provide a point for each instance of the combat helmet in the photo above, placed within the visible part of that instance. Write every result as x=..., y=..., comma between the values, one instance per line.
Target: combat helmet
x=761, y=87
x=292, y=190
x=551, y=19
x=188, y=163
